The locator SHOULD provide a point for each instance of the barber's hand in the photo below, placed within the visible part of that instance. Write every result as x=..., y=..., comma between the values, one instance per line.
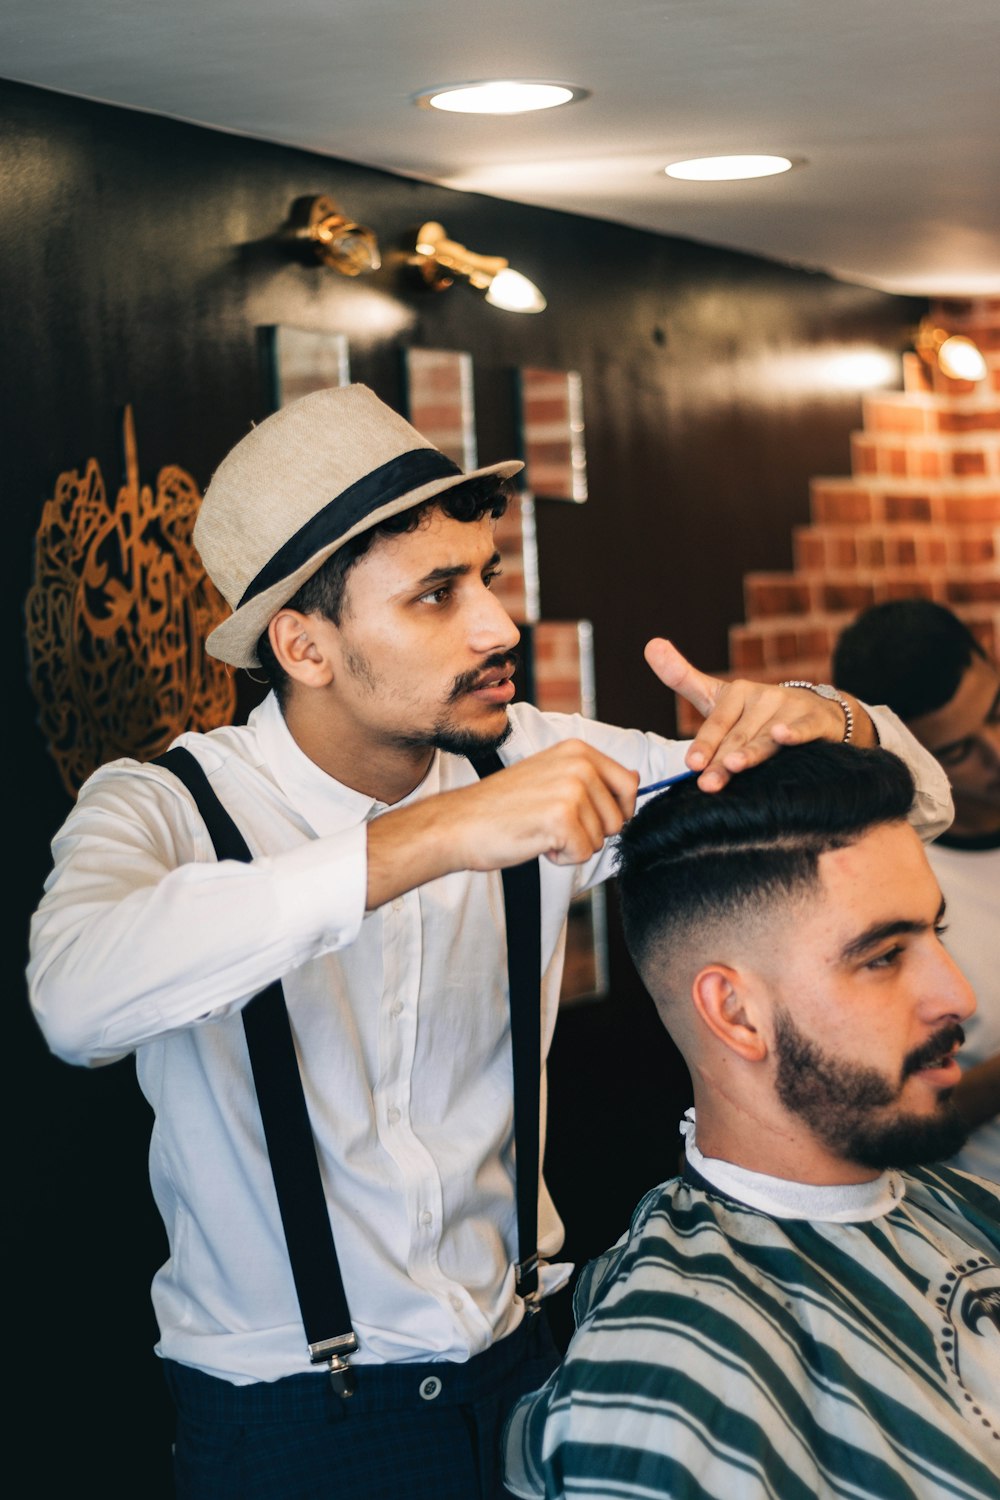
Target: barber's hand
x=563, y=803
x=745, y=722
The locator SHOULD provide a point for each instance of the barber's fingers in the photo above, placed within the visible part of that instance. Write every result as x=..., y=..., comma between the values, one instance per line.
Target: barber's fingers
x=563, y=802
x=746, y=722
x=576, y=836
x=585, y=795
x=606, y=786
x=767, y=717
x=676, y=672
x=740, y=731
x=588, y=813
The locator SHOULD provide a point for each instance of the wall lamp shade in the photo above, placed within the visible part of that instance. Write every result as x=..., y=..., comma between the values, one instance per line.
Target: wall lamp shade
x=440, y=260
x=323, y=233
x=956, y=356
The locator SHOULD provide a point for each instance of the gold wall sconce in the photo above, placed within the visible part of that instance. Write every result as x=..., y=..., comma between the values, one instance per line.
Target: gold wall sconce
x=440, y=260
x=956, y=356
x=317, y=226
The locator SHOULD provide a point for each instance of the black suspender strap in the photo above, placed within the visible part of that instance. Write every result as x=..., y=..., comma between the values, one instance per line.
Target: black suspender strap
x=291, y=1145
x=523, y=917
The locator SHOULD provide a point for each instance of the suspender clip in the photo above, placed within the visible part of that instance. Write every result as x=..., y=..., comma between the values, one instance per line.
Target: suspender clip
x=526, y=1279
x=341, y=1377
x=334, y=1354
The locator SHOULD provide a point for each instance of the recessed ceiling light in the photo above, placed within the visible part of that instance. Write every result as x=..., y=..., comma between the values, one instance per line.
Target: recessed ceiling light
x=728, y=168
x=507, y=96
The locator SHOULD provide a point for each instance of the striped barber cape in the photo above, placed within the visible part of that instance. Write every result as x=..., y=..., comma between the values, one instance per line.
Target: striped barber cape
x=723, y=1353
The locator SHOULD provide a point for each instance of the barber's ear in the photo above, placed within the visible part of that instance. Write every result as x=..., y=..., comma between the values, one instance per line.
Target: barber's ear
x=725, y=1001
x=297, y=649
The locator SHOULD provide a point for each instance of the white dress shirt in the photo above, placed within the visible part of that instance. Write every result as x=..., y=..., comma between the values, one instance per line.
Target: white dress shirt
x=144, y=943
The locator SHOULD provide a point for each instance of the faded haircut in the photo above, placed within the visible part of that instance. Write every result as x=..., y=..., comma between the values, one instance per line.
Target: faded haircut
x=690, y=859
x=323, y=593
x=909, y=654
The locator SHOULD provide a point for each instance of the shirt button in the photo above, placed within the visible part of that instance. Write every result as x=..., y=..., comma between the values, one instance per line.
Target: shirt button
x=455, y=1301
x=427, y=1218
x=429, y=1388
x=397, y=905
x=396, y=1009
x=392, y=1115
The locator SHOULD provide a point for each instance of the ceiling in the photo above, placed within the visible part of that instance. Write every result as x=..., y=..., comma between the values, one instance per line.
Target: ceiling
x=894, y=106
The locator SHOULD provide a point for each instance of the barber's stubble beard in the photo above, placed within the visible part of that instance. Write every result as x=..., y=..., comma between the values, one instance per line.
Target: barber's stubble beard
x=445, y=734
x=846, y=1105
x=467, y=741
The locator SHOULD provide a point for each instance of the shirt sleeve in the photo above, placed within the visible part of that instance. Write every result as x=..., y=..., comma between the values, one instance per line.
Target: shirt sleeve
x=933, y=808
x=141, y=932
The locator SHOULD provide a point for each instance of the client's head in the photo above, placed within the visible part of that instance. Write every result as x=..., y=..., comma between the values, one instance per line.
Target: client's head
x=788, y=928
x=925, y=663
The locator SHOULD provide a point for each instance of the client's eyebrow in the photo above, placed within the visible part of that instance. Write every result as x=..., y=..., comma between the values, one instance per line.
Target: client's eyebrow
x=879, y=931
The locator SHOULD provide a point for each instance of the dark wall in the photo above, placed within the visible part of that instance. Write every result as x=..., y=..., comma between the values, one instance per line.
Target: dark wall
x=137, y=261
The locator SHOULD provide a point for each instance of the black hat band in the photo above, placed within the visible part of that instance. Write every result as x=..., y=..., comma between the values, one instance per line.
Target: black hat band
x=383, y=485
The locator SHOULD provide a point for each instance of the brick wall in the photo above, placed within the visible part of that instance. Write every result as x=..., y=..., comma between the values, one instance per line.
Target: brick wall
x=564, y=667
x=517, y=585
x=919, y=515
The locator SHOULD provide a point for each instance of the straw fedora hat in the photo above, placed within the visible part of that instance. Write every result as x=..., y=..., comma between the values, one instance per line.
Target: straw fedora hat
x=312, y=476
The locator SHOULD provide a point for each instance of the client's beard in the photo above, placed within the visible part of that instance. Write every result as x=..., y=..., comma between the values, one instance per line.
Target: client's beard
x=844, y=1103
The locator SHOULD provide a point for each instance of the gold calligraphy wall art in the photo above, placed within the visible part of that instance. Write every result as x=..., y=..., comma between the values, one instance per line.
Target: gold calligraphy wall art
x=118, y=611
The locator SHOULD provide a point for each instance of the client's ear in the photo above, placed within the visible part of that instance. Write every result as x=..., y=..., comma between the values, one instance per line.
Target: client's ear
x=724, y=999
x=297, y=648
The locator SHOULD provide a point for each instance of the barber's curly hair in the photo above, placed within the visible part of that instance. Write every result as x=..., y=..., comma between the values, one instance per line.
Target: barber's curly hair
x=689, y=856
x=323, y=592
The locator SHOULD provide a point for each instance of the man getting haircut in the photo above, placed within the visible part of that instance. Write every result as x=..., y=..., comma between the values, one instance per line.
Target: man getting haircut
x=812, y=1307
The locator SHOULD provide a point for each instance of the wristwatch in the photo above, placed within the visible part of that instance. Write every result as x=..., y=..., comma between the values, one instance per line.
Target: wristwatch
x=826, y=691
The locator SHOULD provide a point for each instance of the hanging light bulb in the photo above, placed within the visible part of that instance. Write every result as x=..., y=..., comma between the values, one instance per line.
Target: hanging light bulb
x=441, y=259
x=955, y=355
x=510, y=290
x=961, y=359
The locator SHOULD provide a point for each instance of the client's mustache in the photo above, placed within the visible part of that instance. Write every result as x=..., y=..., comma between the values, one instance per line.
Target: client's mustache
x=939, y=1045
x=507, y=661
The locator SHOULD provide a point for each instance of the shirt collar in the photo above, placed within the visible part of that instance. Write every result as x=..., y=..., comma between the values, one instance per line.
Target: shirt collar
x=327, y=805
x=844, y=1203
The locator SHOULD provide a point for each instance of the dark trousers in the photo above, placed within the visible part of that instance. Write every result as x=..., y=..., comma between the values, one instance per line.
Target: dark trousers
x=409, y=1432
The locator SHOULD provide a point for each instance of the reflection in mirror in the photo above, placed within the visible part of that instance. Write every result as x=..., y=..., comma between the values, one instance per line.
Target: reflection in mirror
x=301, y=360
x=551, y=430
x=438, y=400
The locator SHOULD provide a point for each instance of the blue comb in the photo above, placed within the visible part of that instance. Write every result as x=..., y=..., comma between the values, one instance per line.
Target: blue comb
x=658, y=786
